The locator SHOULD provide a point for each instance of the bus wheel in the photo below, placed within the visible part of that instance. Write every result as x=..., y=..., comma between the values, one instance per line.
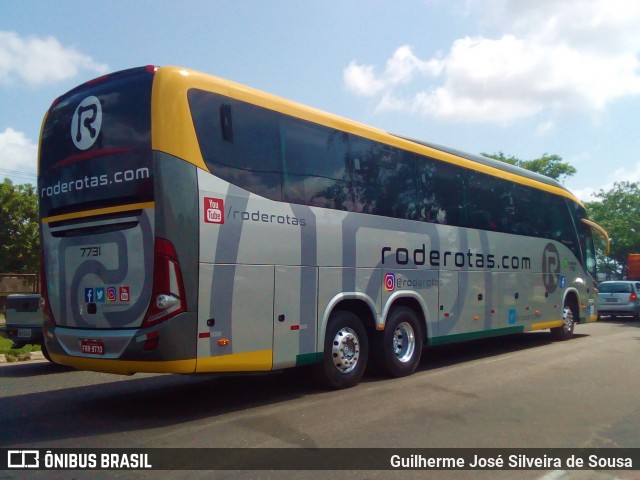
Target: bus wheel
x=346, y=349
x=565, y=332
x=399, y=348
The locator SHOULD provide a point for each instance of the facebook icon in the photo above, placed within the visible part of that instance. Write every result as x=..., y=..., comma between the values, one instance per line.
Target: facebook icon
x=88, y=295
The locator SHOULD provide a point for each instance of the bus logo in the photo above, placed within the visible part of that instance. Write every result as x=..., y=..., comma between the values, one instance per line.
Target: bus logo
x=389, y=282
x=551, y=268
x=213, y=210
x=86, y=123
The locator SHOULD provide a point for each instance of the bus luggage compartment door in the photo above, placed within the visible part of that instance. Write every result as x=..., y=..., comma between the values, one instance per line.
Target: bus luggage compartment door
x=235, y=318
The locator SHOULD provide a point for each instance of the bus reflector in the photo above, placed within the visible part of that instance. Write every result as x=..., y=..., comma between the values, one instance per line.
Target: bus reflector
x=223, y=342
x=168, y=298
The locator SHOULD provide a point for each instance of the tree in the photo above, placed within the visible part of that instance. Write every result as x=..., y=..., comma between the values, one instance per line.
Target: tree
x=618, y=212
x=549, y=165
x=19, y=242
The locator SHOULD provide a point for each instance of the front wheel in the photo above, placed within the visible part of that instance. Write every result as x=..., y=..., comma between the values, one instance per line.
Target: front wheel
x=346, y=349
x=565, y=332
x=399, y=347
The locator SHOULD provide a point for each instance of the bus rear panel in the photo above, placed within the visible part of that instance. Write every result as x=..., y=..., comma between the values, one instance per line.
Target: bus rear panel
x=114, y=262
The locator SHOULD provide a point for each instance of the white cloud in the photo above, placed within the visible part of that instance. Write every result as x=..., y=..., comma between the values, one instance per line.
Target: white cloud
x=400, y=69
x=18, y=157
x=37, y=60
x=551, y=58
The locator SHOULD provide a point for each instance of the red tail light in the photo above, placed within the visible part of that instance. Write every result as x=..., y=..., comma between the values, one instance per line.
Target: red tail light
x=44, y=294
x=633, y=297
x=168, y=298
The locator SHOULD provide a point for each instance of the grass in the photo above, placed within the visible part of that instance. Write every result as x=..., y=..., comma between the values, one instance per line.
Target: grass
x=16, y=354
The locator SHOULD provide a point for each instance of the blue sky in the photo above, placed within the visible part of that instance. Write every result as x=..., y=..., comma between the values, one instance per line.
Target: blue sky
x=525, y=77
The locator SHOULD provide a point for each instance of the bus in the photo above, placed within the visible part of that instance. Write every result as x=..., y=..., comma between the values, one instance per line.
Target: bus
x=191, y=224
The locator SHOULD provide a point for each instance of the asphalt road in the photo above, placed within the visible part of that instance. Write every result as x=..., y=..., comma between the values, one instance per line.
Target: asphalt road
x=516, y=391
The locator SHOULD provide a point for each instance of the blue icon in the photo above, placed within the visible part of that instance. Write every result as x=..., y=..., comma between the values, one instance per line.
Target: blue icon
x=562, y=281
x=88, y=295
x=100, y=294
x=513, y=316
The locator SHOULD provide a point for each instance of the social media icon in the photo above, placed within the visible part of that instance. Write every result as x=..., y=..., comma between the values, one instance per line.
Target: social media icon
x=389, y=282
x=213, y=210
x=100, y=294
x=88, y=295
x=111, y=294
x=124, y=294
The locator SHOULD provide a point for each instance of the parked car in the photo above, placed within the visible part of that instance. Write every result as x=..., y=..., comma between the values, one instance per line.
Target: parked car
x=24, y=321
x=620, y=298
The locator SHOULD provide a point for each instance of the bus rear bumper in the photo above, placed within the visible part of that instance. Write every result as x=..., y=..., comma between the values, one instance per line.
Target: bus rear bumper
x=168, y=347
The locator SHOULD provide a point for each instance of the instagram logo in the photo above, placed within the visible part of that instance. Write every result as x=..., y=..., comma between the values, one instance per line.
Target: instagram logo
x=389, y=282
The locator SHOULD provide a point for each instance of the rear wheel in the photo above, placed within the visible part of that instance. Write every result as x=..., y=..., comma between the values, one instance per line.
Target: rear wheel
x=569, y=316
x=399, y=348
x=346, y=349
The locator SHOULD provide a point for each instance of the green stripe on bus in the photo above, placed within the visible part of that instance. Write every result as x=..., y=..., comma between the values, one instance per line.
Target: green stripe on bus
x=461, y=337
x=308, y=359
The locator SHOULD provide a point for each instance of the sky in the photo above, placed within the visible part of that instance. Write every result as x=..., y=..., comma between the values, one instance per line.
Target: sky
x=522, y=77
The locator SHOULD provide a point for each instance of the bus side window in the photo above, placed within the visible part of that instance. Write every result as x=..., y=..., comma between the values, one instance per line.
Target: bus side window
x=239, y=142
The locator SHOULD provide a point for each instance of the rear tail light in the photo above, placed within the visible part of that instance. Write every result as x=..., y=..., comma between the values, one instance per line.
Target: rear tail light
x=168, y=298
x=633, y=297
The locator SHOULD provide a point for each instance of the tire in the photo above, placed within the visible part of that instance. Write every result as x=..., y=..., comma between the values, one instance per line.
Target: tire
x=565, y=332
x=346, y=348
x=398, y=349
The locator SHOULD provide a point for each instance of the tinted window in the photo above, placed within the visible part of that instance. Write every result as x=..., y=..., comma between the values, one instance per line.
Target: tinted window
x=285, y=158
x=440, y=192
x=115, y=166
x=315, y=165
x=245, y=152
x=615, y=287
x=384, y=179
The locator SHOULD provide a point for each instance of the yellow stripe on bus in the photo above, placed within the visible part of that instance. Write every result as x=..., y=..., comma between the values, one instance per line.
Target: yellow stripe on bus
x=545, y=325
x=99, y=211
x=259, y=361
x=125, y=367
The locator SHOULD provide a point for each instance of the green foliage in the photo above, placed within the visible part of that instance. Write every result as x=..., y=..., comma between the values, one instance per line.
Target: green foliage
x=618, y=212
x=549, y=165
x=16, y=354
x=19, y=240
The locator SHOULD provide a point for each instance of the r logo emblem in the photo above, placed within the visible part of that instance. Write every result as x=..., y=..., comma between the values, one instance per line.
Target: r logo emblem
x=550, y=267
x=86, y=123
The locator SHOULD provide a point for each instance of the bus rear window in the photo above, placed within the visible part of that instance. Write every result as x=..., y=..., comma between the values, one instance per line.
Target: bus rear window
x=96, y=144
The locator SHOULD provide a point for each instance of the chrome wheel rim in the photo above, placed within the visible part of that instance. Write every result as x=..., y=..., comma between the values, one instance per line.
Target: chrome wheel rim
x=345, y=350
x=567, y=318
x=404, y=342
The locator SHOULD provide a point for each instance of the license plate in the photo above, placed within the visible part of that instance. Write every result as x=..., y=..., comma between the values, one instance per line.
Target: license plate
x=612, y=300
x=24, y=333
x=92, y=347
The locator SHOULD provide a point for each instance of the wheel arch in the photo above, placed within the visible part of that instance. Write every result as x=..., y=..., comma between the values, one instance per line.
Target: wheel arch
x=572, y=298
x=410, y=300
x=359, y=303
